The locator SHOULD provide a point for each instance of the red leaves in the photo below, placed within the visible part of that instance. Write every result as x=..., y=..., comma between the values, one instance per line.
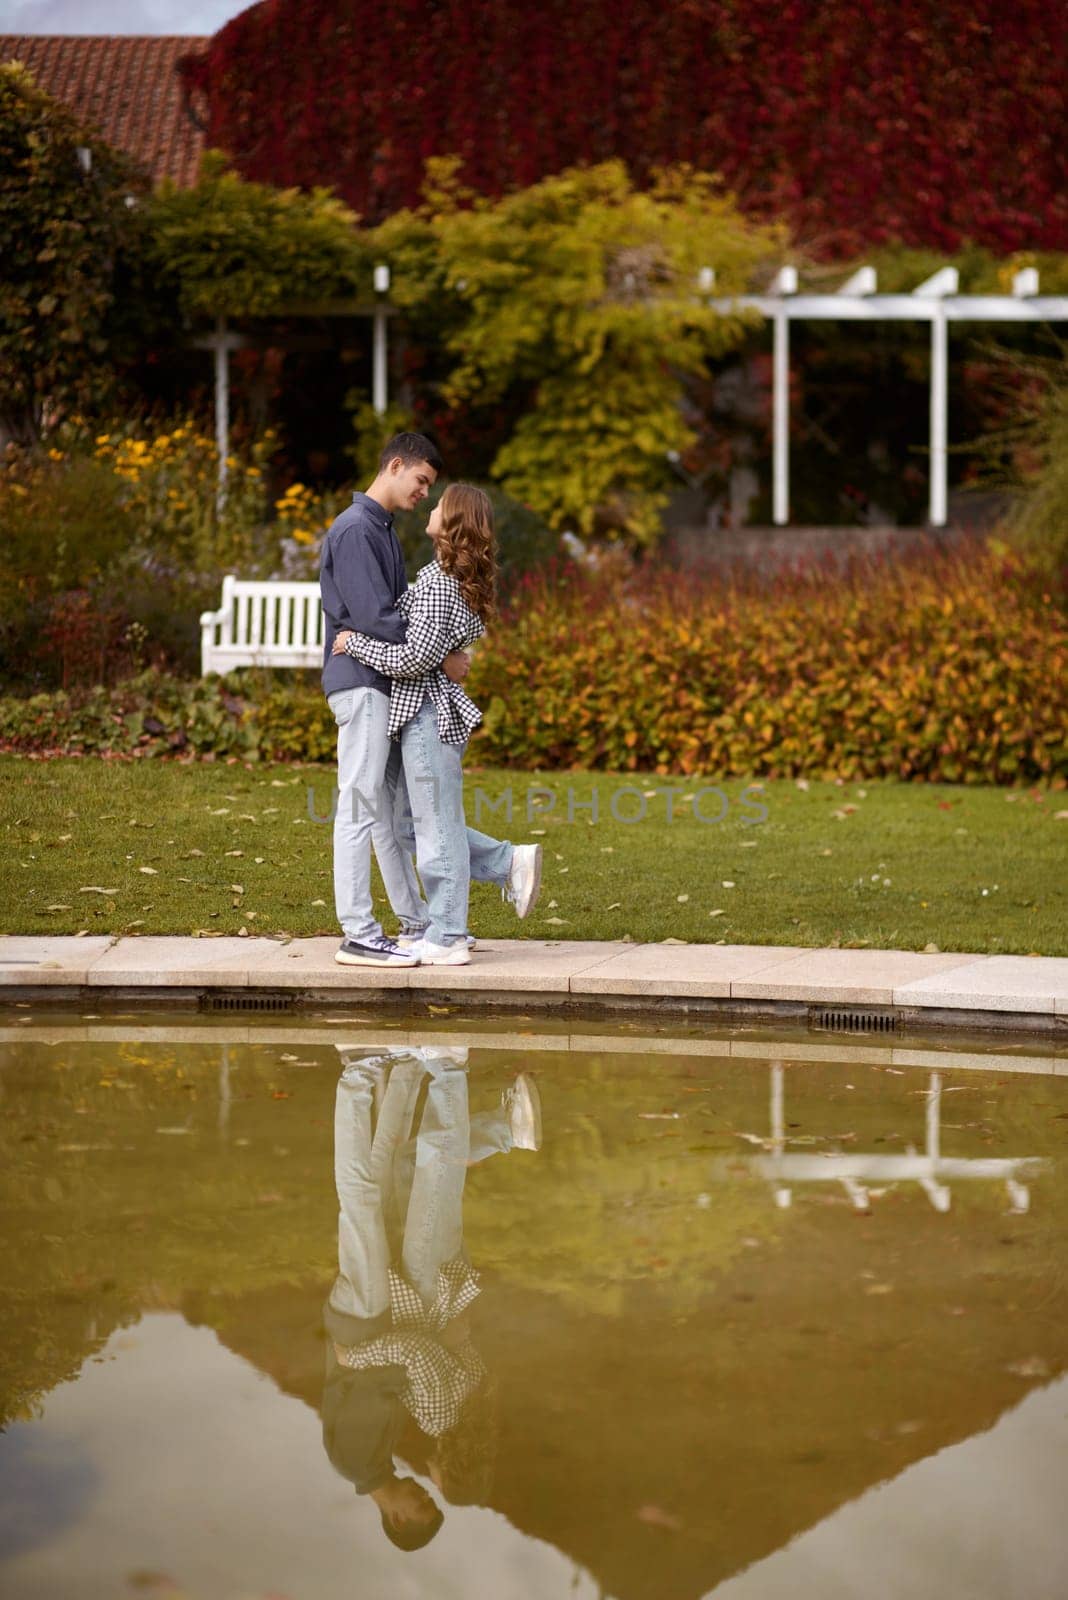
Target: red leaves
x=931, y=122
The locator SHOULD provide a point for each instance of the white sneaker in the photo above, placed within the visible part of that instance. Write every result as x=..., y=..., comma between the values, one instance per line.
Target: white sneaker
x=407, y=940
x=441, y=955
x=523, y=1105
x=376, y=952
x=524, y=877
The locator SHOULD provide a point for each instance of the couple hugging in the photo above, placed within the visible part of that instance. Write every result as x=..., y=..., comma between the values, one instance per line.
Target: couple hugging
x=394, y=663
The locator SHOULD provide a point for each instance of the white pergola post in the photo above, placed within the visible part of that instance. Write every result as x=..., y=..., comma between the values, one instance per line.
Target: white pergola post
x=220, y=343
x=784, y=283
x=936, y=288
x=937, y=498
x=222, y=406
x=937, y=301
x=380, y=354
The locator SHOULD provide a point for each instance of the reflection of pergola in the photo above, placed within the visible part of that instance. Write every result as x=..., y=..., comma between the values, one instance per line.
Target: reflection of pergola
x=855, y=1172
x=936, y=301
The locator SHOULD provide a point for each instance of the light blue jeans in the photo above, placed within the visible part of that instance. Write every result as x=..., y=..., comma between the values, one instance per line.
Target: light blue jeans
x=400, y=1194
x=363, y=748
x=424, y=812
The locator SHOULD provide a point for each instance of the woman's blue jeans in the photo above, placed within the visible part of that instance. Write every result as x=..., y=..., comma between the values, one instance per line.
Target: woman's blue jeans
x=427, y=813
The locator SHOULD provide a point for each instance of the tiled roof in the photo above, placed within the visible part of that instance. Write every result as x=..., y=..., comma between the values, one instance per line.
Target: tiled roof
x=126, y=88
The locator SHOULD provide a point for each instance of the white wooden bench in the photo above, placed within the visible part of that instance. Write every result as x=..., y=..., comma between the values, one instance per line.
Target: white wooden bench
x=262, y=623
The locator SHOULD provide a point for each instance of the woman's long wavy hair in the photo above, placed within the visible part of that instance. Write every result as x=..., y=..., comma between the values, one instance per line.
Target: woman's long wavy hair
x=466, y=547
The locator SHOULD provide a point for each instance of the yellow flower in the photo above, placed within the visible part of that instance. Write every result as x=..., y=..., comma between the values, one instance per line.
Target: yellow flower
x=102, y=438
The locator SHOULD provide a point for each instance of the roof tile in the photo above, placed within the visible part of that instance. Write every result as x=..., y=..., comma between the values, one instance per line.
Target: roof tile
x=127, y=88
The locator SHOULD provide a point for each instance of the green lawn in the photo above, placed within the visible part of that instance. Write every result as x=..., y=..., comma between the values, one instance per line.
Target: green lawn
x=219, y=848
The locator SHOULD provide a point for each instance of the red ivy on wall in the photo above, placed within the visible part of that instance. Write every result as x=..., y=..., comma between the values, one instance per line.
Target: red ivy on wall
x=935, y=122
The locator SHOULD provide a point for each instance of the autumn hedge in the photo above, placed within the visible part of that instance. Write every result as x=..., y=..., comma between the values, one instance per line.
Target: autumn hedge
x=951, y=668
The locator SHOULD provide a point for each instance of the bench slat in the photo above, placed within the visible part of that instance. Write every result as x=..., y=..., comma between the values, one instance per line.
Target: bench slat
x=263, y=623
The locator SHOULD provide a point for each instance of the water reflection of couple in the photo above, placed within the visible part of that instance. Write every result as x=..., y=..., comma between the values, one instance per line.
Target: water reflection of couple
x=403, y=1373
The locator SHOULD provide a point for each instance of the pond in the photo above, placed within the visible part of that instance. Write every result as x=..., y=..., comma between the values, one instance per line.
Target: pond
x=576, y=1313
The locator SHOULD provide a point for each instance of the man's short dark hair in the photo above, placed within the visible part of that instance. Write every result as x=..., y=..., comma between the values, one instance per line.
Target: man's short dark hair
x=412, y=1535
x=411, y=447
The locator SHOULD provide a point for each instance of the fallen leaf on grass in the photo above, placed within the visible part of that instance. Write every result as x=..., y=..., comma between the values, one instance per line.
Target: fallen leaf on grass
x=318, y=902
x=151, y=872
x=233, y=852
x=94, y=888
x=192, y=853
x=615, y=906
x=557, y=922
x=719, y=912
x=437, y=1011
x=659, y=1116
x=59, y=908
x=682, y=899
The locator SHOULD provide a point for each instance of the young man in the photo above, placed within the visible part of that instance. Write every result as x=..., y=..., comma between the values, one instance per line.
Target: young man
x=361, y=578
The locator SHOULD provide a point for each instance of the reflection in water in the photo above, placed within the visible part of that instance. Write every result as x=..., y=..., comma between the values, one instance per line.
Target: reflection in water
x=856, y=1172
x=607, y=1365
x=401, y=1353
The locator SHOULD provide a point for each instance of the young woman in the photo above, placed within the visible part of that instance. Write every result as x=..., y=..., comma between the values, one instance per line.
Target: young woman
x=446, y=609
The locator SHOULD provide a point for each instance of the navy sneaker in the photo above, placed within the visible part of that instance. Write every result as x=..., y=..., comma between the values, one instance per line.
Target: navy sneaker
x=379, y=952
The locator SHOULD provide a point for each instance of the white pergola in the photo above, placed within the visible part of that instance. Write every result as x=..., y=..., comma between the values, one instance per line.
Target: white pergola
x=221, y=341
x=936, y=301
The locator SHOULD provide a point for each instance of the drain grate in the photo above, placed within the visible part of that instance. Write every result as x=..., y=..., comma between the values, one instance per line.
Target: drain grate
x=257, y=1001
x=851, y=1019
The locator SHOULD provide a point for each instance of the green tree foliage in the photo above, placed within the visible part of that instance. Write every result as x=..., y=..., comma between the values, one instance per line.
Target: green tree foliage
x=573, y=307
x=1037, y=446
x=69, y=263
x=233, y=248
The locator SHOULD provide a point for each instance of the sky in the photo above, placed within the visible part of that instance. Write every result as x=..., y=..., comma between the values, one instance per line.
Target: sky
x=196, y=17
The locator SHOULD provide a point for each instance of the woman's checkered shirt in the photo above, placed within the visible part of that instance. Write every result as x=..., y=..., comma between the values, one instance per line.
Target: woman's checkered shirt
x=439, y=620
x=438, y=1380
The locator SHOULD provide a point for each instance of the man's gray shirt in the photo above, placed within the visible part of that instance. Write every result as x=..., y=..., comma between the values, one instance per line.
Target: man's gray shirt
x=361, y=578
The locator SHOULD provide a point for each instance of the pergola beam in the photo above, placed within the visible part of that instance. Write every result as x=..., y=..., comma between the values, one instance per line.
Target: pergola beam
x=936, y=301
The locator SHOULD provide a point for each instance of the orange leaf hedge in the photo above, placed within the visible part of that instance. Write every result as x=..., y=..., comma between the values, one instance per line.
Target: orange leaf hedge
x=947, y=667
